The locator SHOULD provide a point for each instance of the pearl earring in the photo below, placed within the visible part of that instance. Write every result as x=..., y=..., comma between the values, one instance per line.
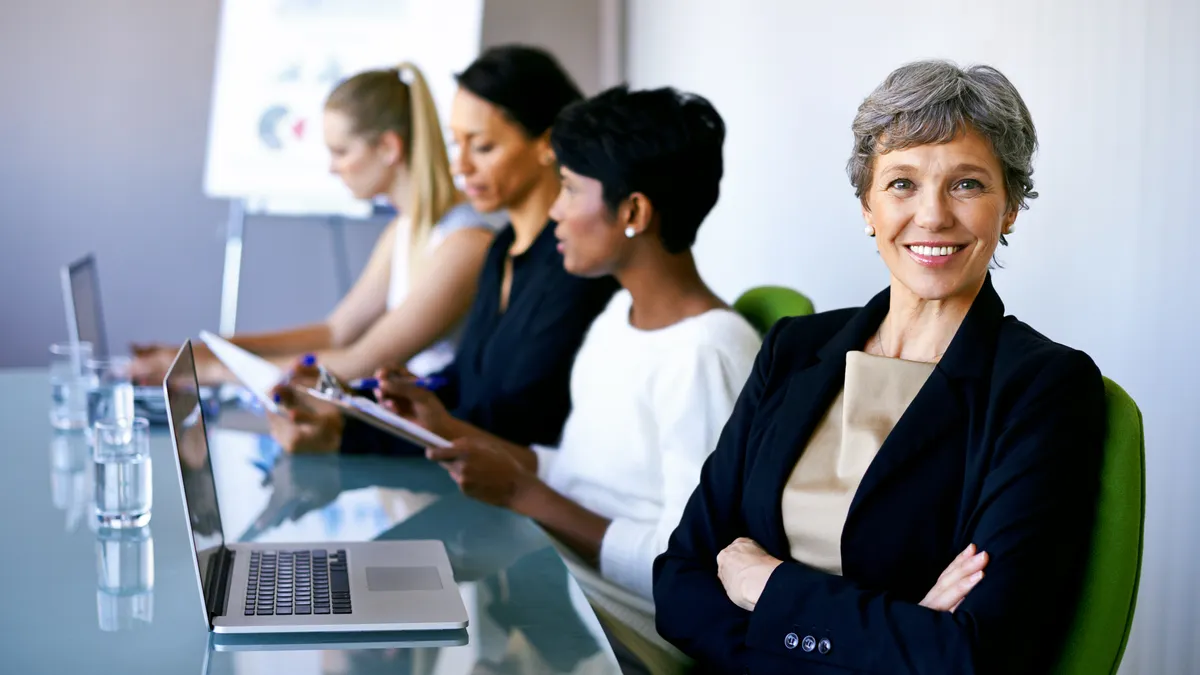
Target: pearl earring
x=869, y=231
x=630, y=233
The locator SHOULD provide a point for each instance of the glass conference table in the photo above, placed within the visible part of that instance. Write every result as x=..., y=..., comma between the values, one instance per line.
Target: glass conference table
x=80, y=600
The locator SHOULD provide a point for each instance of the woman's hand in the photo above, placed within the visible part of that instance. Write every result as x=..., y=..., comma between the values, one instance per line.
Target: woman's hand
x=151, y=363
x=304, y=373
x=399, y=392
x=305, y=424
x=484, y=471
x=956, y=581
x=744, y=568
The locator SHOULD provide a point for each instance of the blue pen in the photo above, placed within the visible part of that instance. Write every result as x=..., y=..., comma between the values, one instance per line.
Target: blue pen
x=371, y=383
x=308, y=361
x=364, y=384
x=431, y=383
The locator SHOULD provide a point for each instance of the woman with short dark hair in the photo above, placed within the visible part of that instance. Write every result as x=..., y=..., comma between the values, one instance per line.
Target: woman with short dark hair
x=656, y=377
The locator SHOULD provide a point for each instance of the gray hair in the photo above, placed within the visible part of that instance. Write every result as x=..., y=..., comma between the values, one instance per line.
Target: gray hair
x=932, y=102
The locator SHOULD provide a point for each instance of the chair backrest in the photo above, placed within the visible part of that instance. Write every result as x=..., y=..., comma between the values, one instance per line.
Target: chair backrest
x=1097, y=637
x=764, y=305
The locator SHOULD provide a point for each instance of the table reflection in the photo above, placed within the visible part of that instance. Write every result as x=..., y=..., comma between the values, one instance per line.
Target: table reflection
x=70, y=477
x=526, y=614
x=507, y=635
x=124, y=577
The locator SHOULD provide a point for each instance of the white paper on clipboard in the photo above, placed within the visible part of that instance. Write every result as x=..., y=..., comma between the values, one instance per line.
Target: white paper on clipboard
x=381, y=418
x=256, y=373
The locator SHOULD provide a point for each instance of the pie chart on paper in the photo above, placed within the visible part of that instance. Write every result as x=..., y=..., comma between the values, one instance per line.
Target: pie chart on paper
x=276, y=62
x=278, y=127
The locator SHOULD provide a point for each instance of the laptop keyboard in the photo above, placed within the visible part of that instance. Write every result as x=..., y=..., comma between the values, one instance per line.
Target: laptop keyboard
x=285, y=583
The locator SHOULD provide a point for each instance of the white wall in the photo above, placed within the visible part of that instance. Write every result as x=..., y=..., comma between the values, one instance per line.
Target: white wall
x=568, y=29
x=1103, y=259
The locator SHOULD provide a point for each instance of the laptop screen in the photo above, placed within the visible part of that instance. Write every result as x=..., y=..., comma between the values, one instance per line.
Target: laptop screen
x=195, y=467
x=84, y=314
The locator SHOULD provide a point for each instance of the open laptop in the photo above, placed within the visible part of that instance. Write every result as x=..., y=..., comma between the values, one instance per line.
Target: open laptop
x=85, y=323
x=81, y=296
x=298, y=588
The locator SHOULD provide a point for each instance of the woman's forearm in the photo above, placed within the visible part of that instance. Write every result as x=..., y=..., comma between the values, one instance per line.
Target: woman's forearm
x=347, y=364
x=577, y=527
x=580, y=529
x=293, y=341
x=430, y=311
x=456, y=428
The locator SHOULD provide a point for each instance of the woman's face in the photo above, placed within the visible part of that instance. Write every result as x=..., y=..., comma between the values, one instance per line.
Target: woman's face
x=498, y=162
x=367, y=169
x=938, y=211
x=590, y=238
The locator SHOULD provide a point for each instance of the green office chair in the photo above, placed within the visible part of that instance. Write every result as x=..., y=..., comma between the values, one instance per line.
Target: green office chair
x=764, y=305
x=1097, y=638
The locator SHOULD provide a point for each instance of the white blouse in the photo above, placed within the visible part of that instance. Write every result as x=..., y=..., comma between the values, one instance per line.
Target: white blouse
x=647, y=408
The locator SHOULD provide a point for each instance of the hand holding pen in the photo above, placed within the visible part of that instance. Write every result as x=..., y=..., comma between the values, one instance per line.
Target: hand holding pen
x=408, y=396
x=304, y=423
x=306, y=373
x=432, y=383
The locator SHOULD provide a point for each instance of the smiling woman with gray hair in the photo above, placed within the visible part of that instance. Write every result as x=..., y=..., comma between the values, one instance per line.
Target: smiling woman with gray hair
x=906, y=487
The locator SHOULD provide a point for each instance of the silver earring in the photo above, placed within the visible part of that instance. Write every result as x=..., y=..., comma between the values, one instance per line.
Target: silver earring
x=869, y=231
x=630, y=233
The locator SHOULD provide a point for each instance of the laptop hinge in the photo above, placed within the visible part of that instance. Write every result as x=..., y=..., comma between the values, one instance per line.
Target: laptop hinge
x=220, y=574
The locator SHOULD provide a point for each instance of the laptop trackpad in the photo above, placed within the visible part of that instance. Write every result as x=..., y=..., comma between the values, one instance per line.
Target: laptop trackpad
x=403, y=579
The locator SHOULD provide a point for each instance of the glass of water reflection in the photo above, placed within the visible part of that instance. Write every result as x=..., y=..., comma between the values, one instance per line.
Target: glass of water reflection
x=110, y=389
x=69, y=384
x=125, y=577
x=121, y=455
x=70, y=482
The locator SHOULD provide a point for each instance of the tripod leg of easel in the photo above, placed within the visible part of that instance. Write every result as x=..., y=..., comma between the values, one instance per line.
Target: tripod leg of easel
x=341, y=258
x=231, y=277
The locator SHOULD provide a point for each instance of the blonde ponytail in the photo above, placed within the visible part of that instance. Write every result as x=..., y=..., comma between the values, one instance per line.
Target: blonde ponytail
x=433, y=190
x=398, y=100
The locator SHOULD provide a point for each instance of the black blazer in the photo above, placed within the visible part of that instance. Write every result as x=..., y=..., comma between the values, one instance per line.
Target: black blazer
x=1000, y=448
x=511, y=373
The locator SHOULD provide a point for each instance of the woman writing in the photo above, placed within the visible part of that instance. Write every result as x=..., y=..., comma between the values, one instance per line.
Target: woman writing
x=656, y=377
x=511, y=370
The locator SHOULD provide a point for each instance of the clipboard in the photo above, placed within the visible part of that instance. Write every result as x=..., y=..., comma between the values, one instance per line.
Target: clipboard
x=370, y=412
x=257, y=374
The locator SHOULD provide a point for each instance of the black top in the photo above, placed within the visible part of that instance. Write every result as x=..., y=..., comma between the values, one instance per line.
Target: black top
x=512, y=369
x=1001, y=448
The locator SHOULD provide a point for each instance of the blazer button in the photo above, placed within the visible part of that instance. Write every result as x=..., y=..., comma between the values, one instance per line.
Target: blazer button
x=824, y=646
x=809, y=643
x=791, y=640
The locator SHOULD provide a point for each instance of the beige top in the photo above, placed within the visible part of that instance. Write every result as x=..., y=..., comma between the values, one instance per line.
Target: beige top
x=817, y=496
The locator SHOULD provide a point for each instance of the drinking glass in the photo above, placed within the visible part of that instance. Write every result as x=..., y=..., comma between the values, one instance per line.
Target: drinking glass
x=110, y=391
x=123, y=487
x=69, y=384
